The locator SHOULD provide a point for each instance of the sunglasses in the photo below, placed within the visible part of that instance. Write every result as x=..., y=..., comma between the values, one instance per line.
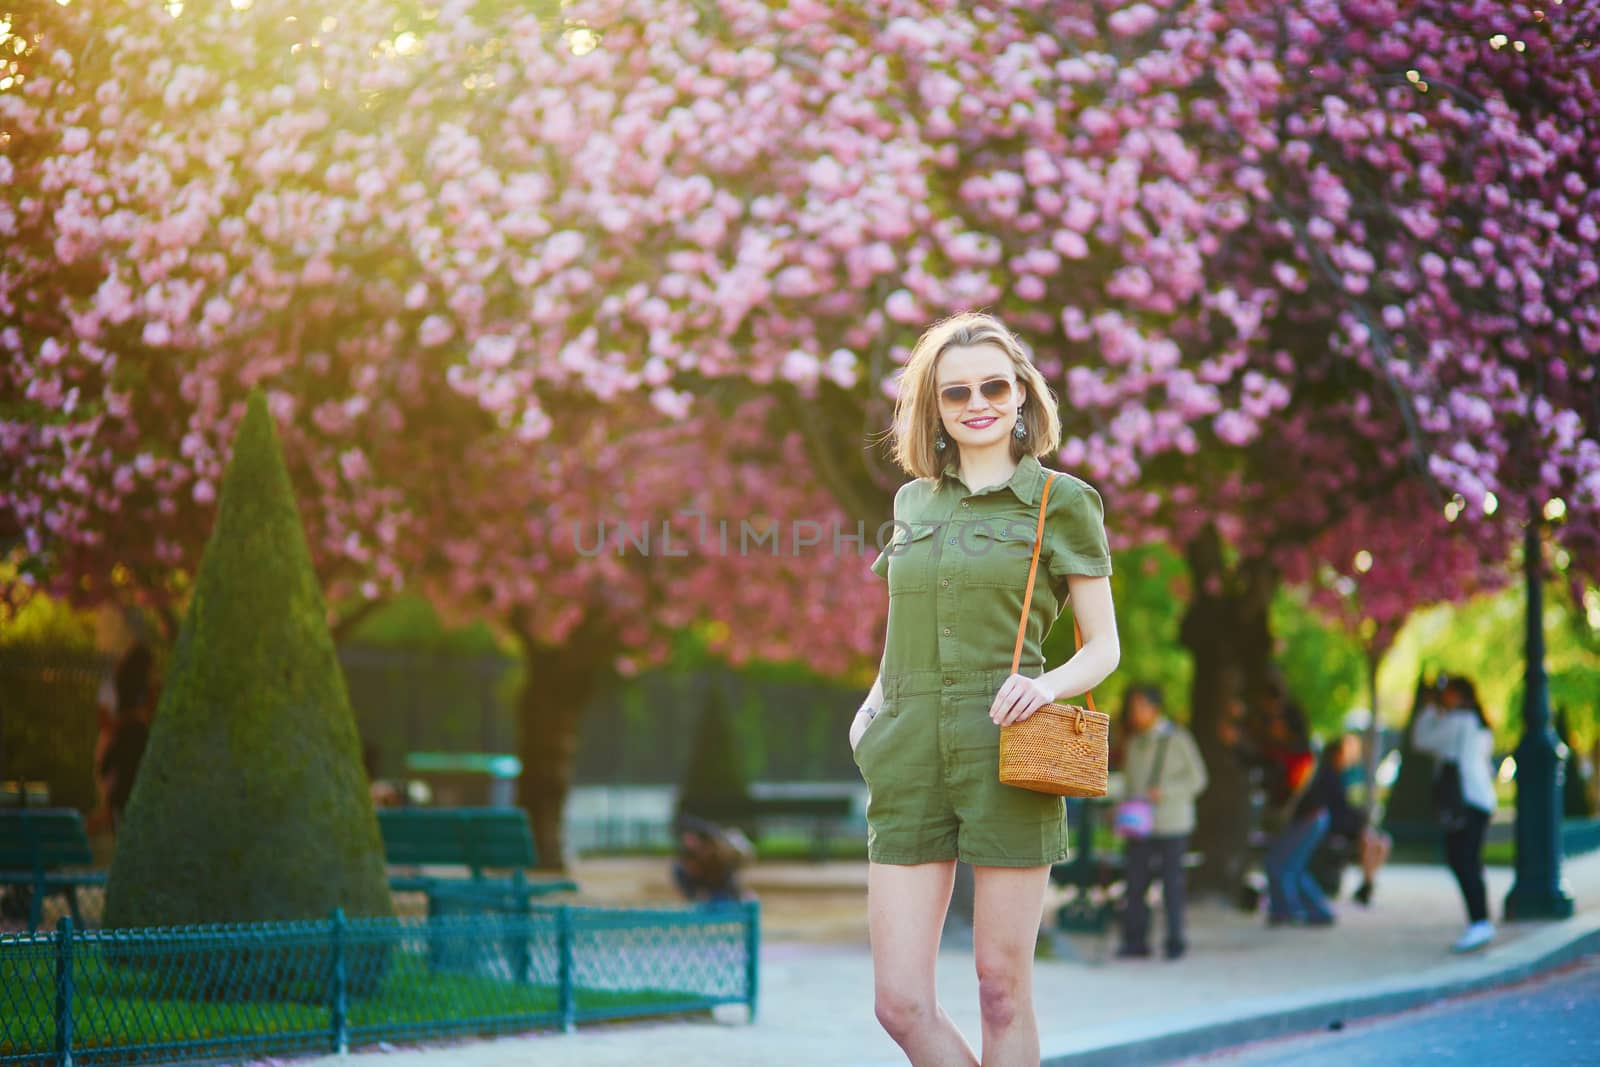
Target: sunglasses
x=995, y=390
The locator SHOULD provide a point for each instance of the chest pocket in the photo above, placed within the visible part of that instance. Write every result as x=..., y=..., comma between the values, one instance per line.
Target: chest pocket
x=911, y=558
x=997, y=551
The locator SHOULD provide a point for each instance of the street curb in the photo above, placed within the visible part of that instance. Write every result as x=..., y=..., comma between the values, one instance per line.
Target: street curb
x=1559, y=944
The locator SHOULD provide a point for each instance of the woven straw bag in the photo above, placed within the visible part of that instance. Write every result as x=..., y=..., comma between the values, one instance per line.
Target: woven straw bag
x=1061, y=749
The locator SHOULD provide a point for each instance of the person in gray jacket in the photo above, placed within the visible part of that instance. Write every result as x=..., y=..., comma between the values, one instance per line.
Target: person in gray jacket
x=1162, y=764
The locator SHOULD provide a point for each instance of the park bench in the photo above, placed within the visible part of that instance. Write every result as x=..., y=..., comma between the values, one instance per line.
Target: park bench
x=42, y=851
x=477, y=839
x=1090, y=873
x=824, y=814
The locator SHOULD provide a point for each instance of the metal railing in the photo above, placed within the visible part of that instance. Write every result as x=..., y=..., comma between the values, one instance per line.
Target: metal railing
x=175, y=993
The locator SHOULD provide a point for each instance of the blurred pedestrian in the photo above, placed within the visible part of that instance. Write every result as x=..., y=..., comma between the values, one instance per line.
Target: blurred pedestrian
x=1162, y=774
x=1293, y=896
x=383, y=792
x=709, y=858
x=1455, y=731
x=1350, y=837
x=126, y=708
x=1373, y=849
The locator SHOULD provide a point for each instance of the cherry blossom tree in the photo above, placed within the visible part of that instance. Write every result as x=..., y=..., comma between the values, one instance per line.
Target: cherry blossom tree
x=1285, y=264
x=161, y=274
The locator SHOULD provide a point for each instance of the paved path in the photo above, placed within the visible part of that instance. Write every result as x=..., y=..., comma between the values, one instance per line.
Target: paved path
x=816, y=994
x=1551, y=1020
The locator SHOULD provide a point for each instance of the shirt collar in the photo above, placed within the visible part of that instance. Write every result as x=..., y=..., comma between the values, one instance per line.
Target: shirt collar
x=1025, y=483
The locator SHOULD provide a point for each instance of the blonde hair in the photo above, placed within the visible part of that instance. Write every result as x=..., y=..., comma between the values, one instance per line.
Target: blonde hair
x=916, y=409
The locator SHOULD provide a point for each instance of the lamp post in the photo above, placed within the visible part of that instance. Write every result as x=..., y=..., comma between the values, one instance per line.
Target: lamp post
x=1374, y=736
x=1537, y=893
x=1367, y=629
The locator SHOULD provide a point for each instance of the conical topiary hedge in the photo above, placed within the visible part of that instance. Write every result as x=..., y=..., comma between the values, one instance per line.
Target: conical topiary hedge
x=251, y=803
x=714, y=785
x=1410, y=816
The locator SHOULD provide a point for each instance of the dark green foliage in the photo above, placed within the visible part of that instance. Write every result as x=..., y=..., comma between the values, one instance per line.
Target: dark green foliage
x=50, y=674
x=251, y=803
x=1148, y=589
x=47, y=718
x=714, y=781
x=1409, y=815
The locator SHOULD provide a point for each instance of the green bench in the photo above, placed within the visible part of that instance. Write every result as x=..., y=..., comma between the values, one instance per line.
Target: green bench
x=39, y=851
x=478, y=839
x=1088, y=872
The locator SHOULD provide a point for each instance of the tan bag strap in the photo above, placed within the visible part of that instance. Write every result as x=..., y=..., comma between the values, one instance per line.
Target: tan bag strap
x=1027, y=594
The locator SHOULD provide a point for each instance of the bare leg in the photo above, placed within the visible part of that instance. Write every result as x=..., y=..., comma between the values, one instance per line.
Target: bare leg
x=1374, y=852
x=906, y=905
x=1375, y=845
x=1005, y=929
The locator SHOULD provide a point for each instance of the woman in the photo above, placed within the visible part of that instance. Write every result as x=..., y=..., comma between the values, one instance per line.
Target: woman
x=972, y=417
x=1349, y=835
x=1459, y=739
x=1293, y=896
x=1162, y=765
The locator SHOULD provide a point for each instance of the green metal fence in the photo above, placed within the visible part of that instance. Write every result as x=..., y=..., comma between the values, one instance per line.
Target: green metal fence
x=176, y=993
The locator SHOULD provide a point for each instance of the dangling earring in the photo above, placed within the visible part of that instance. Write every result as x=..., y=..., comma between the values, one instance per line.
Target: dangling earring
x=1019, y=431
x=940, y=443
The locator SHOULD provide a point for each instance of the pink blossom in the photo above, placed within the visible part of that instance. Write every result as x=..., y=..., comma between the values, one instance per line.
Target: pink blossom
x=493, y=351
x=1234, y=428
x=1074, y=70
x=1079, y=215
x=901, y=306
x=709, y=204
x=435, y=330
x=1130, y=283
x=673, y=404
x=1069, y=244
x=1133, y=20
x=1030, y=287
x=353, y=464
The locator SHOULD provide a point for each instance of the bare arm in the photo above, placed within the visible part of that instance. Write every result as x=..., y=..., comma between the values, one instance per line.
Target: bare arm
x=873, y=700
x=1101, y=651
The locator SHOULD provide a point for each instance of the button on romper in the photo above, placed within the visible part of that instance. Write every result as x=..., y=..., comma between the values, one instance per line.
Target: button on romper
x=956, y=568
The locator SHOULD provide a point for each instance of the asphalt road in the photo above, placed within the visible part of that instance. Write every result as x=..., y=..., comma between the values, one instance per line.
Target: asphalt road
x=1552, y=1020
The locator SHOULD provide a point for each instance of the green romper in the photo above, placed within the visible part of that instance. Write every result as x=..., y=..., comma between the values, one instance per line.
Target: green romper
x=956, y=567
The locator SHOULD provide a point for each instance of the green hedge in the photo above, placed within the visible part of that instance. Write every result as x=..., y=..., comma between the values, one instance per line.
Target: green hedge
x=251, y=803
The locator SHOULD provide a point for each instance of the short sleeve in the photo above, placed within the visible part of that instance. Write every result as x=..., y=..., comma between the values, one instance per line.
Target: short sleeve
x=880, y=566
x=1075, y=531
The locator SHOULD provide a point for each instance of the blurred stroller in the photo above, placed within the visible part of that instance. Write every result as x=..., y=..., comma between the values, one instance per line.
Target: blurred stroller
x=706, y=868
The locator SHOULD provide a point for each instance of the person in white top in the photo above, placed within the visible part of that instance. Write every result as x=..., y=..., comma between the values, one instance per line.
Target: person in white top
x=1456, y=733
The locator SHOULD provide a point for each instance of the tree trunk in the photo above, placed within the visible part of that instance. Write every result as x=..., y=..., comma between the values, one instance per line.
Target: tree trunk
x=556, y=689
x=1227, y=631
